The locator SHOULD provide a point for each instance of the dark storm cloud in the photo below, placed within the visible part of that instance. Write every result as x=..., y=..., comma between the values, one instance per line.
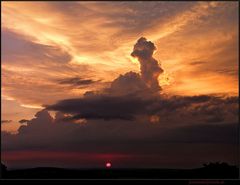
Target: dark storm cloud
x=232, y=99
x=150, y=69
x=128, y=107
x=175, y=102
x=204, y=133
x=44, y=132
x=215, y=119
x=77, y=81
x=6, y=121
x=102, y=107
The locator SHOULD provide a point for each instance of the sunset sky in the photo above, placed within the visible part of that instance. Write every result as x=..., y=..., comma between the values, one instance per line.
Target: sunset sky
x=88, y=82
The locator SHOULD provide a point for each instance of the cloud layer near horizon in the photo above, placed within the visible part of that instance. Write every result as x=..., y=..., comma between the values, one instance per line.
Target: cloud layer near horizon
x=133, y=141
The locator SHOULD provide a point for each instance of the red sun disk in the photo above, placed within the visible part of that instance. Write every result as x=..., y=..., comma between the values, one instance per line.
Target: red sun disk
x=108, y=165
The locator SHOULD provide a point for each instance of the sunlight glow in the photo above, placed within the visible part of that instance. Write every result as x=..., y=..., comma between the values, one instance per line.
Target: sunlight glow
x=32, y=106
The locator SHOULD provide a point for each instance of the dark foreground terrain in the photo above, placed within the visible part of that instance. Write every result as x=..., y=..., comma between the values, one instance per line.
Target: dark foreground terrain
x=206, y=172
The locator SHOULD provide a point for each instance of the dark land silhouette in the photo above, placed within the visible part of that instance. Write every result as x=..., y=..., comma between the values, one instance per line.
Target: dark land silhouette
x=208, y=171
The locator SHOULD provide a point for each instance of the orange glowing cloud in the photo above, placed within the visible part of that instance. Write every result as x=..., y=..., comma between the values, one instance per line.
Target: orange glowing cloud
x=44, y=42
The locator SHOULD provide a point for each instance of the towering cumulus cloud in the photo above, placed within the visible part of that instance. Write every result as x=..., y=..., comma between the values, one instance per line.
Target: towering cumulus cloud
x=150, y=69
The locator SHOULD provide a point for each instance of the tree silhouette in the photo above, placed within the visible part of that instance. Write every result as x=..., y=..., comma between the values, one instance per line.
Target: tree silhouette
x=3, y=170
x=219, y=165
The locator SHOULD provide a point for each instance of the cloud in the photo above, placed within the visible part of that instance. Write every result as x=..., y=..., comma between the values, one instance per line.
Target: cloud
x=6, y=121
x=17, y=46
x=197, y=63
x=67, y=132
x=123, y=99
x=23, y=121
x=101, y=107
x=136, y=139
x=128, y=83
x=204, y=133
x=130, y=96
x=170, y=109
x=31, y=66
x=77, y=81
x=230, y=72
x=42, y=121
x=150, y=69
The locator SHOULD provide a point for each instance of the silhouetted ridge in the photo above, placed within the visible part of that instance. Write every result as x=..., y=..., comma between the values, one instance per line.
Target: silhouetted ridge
x=208, y=171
